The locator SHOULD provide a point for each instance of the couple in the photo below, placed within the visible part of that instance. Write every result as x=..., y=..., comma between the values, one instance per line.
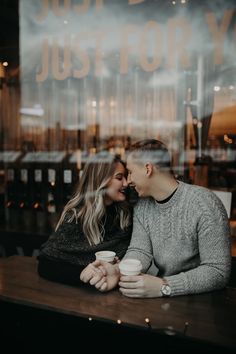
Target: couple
x=180, y=232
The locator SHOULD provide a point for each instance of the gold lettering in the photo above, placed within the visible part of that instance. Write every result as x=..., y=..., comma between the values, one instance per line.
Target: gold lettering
x=61, y=69
x=45, y=62
x=84, y=58
x=218, y=33
x=99, y=4
x=133, y=2
x=125, y=48
x=178, y=46
x=99, y=53
x=44, y=13
x=60, y=10
x=79, y=9
x=145, y=63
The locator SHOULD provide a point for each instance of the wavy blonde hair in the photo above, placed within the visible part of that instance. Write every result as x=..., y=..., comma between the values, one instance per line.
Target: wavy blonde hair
x=88, y=202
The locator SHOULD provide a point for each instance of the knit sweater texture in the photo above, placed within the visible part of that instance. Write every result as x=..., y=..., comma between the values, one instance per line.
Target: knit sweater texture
x=186, y=240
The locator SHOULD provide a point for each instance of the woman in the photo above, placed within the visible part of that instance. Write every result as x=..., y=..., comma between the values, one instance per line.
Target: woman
x=97, y=218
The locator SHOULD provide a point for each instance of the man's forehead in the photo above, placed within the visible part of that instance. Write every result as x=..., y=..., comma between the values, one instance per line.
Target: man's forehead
x=131, y=163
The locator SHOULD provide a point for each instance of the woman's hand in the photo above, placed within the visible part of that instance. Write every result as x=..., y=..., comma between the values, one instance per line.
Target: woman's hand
x=91, y=274
x=110, y=278
x=103, y=275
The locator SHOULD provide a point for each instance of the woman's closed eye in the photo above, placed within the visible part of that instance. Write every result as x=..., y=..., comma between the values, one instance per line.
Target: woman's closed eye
x=119, y=176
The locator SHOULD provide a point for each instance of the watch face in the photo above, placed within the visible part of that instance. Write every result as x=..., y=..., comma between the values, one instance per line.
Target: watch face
x=166, y=290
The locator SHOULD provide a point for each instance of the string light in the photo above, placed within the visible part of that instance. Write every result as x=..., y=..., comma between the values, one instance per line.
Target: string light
x=119, y=321
x=148, y=322
x=170, y=331
x=90, y=319
x=185, y=327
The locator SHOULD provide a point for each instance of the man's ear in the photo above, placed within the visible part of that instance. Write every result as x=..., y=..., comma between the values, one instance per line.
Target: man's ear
x=149, y=168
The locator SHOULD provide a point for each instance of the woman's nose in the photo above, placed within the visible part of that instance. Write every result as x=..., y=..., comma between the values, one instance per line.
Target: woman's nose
x=125, y=182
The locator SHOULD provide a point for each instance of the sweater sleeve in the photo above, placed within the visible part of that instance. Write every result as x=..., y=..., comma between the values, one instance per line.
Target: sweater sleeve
x=140, y=246
x=214, y=251
x=59, y=271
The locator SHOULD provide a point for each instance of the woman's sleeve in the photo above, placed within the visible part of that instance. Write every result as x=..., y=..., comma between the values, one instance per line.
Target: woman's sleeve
x=60, y=272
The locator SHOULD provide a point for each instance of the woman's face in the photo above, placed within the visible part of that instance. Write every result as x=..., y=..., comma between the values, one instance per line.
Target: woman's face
x=116, y=187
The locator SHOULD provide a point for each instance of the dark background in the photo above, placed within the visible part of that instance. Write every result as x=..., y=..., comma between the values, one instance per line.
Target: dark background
x=9, y=32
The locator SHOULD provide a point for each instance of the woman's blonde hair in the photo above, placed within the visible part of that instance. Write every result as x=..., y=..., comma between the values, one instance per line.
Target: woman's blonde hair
x=88, y=202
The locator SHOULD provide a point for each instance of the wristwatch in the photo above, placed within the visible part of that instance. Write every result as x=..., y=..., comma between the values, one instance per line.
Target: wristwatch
x=165, y=288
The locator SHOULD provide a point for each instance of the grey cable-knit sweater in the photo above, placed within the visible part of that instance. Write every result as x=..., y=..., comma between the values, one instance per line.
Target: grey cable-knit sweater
x=186, y=238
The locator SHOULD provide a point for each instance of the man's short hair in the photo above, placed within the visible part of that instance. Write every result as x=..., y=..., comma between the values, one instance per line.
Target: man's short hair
x=151, y=150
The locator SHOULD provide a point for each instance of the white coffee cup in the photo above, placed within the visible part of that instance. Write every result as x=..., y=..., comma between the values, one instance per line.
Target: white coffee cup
x=107, y=256
x=130, y=267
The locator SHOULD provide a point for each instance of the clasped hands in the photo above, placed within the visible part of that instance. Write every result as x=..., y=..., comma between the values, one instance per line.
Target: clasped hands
x=106, y=276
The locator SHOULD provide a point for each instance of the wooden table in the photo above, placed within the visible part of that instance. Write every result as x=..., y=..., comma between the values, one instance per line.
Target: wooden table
x=211, y=317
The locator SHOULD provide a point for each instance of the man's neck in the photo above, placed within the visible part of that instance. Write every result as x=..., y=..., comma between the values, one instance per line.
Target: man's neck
x=163, y=187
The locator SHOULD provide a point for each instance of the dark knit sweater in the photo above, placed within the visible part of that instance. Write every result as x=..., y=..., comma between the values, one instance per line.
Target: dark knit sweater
x=67, y=252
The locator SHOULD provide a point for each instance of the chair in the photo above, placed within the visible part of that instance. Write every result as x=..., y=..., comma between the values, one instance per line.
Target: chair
x=226, y=198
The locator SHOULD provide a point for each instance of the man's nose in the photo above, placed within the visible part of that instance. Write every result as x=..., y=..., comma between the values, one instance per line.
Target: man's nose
x=129, y=179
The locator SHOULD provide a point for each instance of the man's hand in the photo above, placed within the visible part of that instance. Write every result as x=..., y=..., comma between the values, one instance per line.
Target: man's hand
x=143, y=285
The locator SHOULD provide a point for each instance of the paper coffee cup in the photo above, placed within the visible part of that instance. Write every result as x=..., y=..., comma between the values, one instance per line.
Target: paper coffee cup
x=130, y=267
x=107, y=256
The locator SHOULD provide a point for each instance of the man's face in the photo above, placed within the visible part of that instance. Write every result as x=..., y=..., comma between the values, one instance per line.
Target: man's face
x=138, y=177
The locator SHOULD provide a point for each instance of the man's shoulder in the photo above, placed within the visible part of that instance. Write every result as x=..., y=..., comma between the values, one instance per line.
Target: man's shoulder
x=197, y=190
x=203, y=196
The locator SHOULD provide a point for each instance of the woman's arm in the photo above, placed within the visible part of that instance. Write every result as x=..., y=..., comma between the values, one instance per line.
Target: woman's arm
x=59, y=271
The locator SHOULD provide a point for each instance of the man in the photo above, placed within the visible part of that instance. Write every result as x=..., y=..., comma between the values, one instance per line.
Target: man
x=180, y=233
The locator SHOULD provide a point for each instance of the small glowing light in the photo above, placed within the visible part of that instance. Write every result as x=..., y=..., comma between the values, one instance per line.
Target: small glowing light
x=65, y=22
x=148, y=322
x=185, y=327
x=199, y=125
x=36, y=205
x=216, y=88
x=90, y=319
x=118, y=321
x=94, y=104
x=112, y=103
x=194, y=121
x=22, y=205
x=173, y=2
x=231, y=87
x=5, y=63
x=183, y=1
x=227, y=139
x=52, y=184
